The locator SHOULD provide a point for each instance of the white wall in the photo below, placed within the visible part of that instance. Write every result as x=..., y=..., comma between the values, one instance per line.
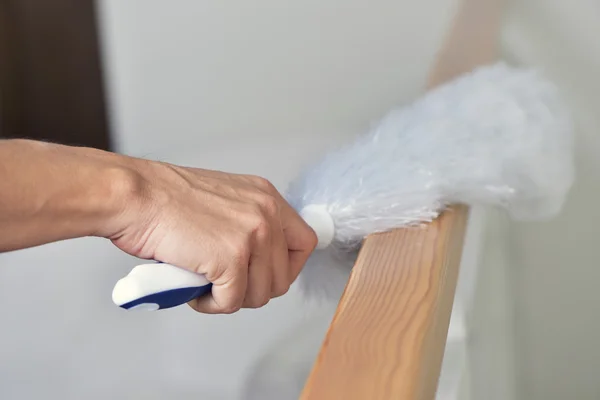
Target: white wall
x=491, y=318
x=186, y=73
x=556, y=268
x=258, y=87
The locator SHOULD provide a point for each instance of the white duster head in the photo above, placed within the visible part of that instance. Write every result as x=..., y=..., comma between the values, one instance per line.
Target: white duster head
x=498, y=136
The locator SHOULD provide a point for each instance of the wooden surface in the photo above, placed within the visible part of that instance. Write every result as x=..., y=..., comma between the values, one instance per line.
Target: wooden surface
x=51, y=83
x=388, y=335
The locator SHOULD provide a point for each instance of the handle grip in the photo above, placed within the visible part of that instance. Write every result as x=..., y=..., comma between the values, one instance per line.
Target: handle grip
x=157, y=286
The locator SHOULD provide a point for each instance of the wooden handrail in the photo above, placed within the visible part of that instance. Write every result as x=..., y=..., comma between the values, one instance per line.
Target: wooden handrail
x=388, y=335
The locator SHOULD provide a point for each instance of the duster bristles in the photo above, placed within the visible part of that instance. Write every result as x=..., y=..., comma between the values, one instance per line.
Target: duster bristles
x=499, y=136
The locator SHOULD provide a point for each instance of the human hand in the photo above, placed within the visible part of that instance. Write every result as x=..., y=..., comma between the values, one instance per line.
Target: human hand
x=235, y=229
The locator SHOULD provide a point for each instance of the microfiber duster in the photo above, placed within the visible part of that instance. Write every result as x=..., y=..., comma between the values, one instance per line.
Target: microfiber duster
x=498, y=136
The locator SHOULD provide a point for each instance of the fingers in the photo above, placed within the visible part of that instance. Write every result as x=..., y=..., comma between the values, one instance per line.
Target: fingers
x=270, y=206
x=258, y=292
x=299, y=237
x=298, y=234
x=273, y=244
x=225, y=298
x=265, y=270
x=268, y=274
x=300, y=240
x=282, y=277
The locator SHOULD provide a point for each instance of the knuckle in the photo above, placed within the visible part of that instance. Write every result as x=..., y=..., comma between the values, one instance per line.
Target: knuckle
x=268, y=204
x=261, y=230
x=214, y=271
x=240, y=254
x=257, y=225
x=262, y=183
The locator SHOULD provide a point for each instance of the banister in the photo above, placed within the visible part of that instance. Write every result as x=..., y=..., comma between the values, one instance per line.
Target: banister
x=388, y=335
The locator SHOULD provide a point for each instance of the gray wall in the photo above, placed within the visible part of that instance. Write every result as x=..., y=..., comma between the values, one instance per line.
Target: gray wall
x=555, y=269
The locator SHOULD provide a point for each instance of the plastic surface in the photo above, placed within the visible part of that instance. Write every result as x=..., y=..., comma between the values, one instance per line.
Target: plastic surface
x=151, y=287
x=317, y=217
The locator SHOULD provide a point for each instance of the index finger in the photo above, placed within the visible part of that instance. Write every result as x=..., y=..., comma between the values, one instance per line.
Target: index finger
x=300, y=237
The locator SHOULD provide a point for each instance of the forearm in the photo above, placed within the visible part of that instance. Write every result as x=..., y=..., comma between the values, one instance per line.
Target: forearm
x=50, y=192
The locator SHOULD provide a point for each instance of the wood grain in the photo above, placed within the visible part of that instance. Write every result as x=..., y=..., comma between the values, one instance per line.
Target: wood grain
x=387, y=338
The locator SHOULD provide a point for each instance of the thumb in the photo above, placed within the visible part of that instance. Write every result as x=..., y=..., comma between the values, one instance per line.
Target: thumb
x=225, y=298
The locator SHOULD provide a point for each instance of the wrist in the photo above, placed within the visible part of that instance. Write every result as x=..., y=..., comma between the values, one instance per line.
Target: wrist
x=123, y=194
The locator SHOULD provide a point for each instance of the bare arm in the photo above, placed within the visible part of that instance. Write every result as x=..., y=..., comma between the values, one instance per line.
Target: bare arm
x=236, y=229
x=50, y=192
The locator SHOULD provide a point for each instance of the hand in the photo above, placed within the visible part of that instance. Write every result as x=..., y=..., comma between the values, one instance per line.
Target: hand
x=236, y=229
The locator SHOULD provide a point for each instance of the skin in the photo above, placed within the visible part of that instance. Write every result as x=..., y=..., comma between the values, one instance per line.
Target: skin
x=236, y=229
